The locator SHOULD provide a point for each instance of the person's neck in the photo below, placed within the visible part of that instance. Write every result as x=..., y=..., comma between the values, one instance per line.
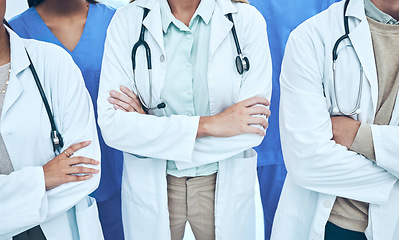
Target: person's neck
x=63, y=7
x=4, y=46
x=183, y=10
x=390, y=7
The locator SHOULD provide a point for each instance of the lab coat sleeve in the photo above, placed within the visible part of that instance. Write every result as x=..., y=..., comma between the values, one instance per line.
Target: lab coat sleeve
x=174, y=138
x=386, y=147
x=77, y=124
x=24, y=190
x=256, y=82
x=313, y=160
x=28, y=186
x=145, y=135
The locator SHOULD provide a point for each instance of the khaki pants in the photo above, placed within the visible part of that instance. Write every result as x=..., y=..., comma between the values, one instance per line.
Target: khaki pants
x=192, y=200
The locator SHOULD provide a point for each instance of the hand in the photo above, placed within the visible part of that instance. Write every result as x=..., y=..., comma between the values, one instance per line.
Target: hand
x=126, y=101
x=344, y=130
x=237, y=119
x=62, y=168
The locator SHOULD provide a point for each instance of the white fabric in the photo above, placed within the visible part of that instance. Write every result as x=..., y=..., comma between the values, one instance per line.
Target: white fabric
x=149, y=139
x=318, y=168
x=26, y=129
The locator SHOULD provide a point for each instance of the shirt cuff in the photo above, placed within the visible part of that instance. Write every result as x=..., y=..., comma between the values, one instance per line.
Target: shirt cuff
x=363, y=143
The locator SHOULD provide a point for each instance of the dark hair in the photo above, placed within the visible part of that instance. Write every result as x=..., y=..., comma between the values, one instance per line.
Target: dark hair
x=34, y=3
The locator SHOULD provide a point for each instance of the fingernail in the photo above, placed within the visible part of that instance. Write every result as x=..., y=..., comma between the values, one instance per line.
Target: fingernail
x=123, y=87
x=87, y=142
x=111, y=100
x=112, y=92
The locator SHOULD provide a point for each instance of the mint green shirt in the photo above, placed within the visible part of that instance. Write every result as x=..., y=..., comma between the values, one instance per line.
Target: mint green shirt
x=186, y=85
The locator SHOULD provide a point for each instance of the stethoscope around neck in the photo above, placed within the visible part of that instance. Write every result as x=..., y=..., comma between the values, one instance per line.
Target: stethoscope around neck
x=55, y=135
x=242, y=63
x=356, y=109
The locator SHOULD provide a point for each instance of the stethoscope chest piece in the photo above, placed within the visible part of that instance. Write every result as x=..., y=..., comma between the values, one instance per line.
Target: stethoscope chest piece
x=242, y=64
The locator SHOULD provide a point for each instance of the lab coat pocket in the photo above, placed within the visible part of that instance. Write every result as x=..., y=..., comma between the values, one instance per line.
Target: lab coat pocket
x=245, y=179
x=87, y=219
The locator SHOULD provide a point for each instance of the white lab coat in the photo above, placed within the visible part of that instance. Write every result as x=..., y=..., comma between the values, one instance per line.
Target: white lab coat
x=318, y=168
x=25, y=128
x=148, y=140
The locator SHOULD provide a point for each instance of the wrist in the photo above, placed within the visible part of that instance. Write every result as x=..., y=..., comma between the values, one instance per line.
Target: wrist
x=204, y=127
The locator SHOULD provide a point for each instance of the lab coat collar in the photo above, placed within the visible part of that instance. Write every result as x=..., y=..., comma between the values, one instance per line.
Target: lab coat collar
x=360, y=38
x=153, y=21
x=221, y=26
x=356, y=9
x=19, y=58
x=19, y=62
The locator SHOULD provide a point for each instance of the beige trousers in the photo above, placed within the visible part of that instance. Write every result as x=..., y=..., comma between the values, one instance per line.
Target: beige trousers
x=192, y=200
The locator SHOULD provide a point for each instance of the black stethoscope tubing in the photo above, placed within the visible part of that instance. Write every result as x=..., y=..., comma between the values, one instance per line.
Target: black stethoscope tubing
x=242, y=63
x=56, y=137
x=356, y=108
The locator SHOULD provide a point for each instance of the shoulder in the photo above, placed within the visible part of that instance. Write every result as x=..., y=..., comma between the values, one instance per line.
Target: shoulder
x=57, y=64
x=320, y=25
x=46, y=51
x=248, y=14
x=104, y=9
x=131, y=9
x=20, y=22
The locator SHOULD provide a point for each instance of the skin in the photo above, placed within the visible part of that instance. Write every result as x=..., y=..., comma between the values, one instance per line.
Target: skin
x=235, y=120
x=344, y=128
x=390, y=7
x=59, y=170
x=66, y=19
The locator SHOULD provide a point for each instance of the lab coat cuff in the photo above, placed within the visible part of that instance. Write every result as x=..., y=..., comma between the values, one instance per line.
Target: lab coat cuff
x=363, y=143
x=386, y=148
x=188, y=149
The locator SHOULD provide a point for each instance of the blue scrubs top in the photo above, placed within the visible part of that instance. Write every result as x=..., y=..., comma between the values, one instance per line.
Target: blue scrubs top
x=87, y=55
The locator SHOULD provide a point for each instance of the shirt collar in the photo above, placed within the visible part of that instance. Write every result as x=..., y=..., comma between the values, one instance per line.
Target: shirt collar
x=376, y=14
x=204, y=10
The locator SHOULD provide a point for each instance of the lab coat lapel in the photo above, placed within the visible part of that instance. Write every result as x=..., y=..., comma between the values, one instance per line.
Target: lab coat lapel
x=153, y=22
x=19, y=62
x=220, y=27
x=360, y=38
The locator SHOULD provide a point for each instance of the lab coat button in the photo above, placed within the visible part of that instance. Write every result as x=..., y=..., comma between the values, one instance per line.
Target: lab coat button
x=189, y=114
x=188, y=64
x=327, y=204
x=162, y=58
x=189, y=36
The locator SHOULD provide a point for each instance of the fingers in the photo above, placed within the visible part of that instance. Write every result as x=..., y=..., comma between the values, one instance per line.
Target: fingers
x=82, y=160
x=259, y=121
x=259, y=110
x=74, y=178
x=72, y=149
x=81, y=170
x=121, y=104
x=255, y=130
x=127, y=100
x=129, y=93
x=255, y=100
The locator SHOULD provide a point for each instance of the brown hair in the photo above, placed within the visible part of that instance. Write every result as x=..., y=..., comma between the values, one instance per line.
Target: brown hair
x=236, y=1
x=34, y=3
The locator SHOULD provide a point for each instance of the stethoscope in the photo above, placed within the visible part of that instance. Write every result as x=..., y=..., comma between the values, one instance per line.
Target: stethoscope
x=242, y=63
x=356, y=109
x=55, y=135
